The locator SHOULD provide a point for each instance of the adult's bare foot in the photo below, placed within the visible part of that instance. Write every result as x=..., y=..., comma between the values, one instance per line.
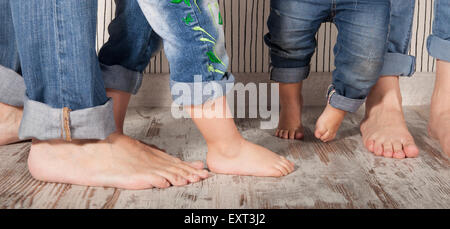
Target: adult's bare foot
x=291, y=101
x=10, y=118
x=384, y=131
x=439, y=123
x=118, y=161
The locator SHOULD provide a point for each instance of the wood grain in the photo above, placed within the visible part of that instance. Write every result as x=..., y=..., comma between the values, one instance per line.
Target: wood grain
x=340, y=174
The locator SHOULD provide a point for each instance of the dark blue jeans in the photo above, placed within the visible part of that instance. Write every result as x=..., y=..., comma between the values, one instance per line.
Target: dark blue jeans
x=360, y=49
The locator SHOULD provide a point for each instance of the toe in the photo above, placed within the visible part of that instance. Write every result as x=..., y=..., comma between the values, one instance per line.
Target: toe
x=277, y=133
x=326, y=136
x=398, y=150
x=370, y=145
x=284, y=171
x=173, y=178
x=285, y=134
x=319, y=132
x=410, y=149
x=292, y=134
x=158, y=181
x=387, y=150
x=196, y=164
x=299, y=135
x=378, y=149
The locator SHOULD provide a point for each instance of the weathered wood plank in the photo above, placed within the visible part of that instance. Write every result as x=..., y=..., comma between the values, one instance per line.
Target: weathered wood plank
x=340, y=174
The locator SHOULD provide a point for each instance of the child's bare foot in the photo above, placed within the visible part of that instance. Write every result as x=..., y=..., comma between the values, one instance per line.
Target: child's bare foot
x=439, y=123
x=10, y=118
x=328, y=123
x=228, y=152
x=247, y=159
x=384, y=129
x=291, y=100
x=118, y=161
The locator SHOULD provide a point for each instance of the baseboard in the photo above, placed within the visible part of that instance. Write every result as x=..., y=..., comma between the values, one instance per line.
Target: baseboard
x=155, y=91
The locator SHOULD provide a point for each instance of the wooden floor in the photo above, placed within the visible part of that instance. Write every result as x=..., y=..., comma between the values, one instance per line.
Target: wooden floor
x=340, y=174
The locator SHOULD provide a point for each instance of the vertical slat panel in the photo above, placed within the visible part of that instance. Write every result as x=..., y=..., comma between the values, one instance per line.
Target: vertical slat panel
x=245, y=26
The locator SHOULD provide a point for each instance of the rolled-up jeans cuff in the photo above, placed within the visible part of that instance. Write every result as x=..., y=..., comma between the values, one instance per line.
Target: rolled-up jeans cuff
x=343, y=103
x=398, y=64
x=43, y=122
x=439, y=48
x=289, y=75
x=12, y=87
x=122, y=79
x=198, y=92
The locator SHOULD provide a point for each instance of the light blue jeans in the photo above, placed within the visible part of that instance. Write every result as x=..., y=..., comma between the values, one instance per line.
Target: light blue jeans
x=194, y=43
x=52, y=45
x=360, y=50
x=397, y=62
x=439, y=41
x=61, y=69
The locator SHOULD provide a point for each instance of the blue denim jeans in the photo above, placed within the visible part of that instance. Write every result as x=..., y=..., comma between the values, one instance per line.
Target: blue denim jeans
x=360, y=49
x=397, y=62
x=194, y=43
x=439, y=42
x=65, y=95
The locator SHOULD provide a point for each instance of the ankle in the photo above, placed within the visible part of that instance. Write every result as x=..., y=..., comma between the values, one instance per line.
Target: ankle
x=228, y=148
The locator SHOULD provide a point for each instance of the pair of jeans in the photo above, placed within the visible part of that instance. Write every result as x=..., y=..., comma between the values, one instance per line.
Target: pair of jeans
x=58, y=61
x=194, y=43
x=397, y=62
x=363, y=27
x=439, y=42
x=52, y=45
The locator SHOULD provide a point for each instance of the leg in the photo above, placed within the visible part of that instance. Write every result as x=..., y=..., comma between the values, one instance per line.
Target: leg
x=194, y=44
x=439, y=47
x=440, y=107
x=126, y=54
x=292, y=29
x=12, y=87
x=77, y=84
x=360, y=48
x=384, y=125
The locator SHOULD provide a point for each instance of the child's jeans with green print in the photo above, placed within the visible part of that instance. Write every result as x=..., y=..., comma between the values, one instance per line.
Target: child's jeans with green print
x=194, y=43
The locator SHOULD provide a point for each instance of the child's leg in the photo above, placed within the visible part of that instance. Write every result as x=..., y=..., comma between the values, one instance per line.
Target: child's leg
x=229, y=152
x=292, y=28
x=361, y=46
x=384, y=121
x=194, y=43
x=439, y=47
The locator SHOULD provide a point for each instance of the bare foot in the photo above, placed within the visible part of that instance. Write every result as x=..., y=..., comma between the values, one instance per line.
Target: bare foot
x=291, y=100
x=328, y=123
x=247, y=159
x=384, y=129
x=10, y=118
x=118, y=161
x=228, y=151
x=439, y=123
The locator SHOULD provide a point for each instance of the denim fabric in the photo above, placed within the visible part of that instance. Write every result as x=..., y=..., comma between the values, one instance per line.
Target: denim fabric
x=194, y=44
x=360, y=49
x=397, y=62
x=439, y=41
x=12, y=87
x=56, y=46
x=131, y=44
